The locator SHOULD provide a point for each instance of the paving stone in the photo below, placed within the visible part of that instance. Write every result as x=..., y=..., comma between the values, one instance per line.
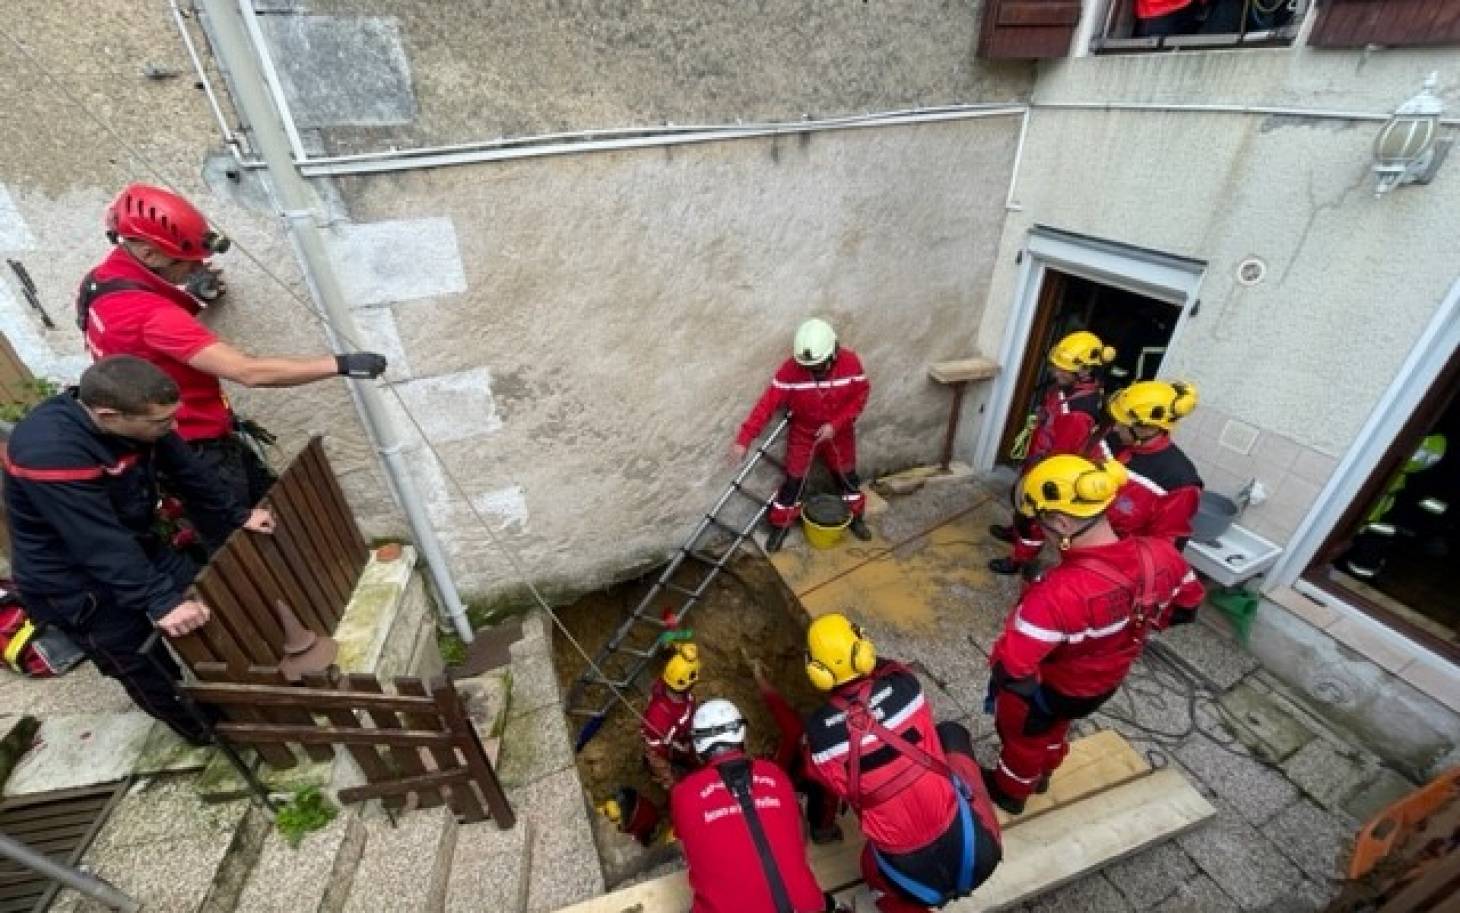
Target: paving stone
x=1240, y=860
x=1256, y=791
x=1305, y=897
x=1330, y=774
x=489, y=869
x=1219, y=660
x=404, y=864
x=1317, y=841
x=1262, y=725
x=1149, y=877
x=316, y=875
x=487, y=698
x=164, y=809
x=80, y=750
x=1384, y=790
x=534, y=745
x=534, y=684
x=1196, y=895
x=564, y=859
x=1091, y=894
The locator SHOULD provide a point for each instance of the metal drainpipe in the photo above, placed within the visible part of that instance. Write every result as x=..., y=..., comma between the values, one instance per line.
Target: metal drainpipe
x=303, y=210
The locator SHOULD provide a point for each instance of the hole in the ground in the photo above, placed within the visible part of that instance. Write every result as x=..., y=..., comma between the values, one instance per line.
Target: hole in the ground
x=747, y=607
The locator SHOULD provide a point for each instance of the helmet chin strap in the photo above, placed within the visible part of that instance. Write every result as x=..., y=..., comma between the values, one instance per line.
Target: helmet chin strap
x=1067, y=539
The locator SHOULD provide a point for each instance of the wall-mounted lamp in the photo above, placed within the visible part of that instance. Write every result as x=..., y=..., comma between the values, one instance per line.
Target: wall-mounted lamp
x=1409, y=148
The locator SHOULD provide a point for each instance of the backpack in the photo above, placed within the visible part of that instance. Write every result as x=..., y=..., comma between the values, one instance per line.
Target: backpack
x=31, y=650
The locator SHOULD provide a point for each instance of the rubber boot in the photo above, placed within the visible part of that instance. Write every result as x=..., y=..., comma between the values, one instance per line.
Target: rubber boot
x=1042, y=786
x=1006, y=566
x=858, y=528
x=1001, y=532
x=777, y=538
x=1000, y=798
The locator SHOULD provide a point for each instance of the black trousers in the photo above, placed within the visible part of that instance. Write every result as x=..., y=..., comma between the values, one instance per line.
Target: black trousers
x=238, y=469
x=110, y=636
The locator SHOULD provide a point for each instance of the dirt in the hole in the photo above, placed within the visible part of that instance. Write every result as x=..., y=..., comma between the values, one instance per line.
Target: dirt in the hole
x=747, y=607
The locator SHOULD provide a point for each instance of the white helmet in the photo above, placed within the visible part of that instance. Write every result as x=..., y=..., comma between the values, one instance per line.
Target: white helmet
x=815, y=342
x=717, y=724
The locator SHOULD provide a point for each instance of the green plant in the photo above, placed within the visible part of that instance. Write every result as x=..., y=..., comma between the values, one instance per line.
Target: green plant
x=32, y=393
x=307, y=811
x=453, y=651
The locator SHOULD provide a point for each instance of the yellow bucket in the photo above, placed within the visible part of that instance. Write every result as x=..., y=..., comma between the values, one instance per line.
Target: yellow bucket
x=832, y=519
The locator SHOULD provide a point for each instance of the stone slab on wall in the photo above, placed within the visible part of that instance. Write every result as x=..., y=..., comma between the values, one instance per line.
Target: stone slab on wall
x=313, y=54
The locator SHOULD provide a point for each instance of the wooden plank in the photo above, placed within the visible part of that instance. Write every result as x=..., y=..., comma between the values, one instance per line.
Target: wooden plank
x=296, y=715
x=273, y=580
x=336, y=511
x=234, y=605
x=260, y=733
x=364, y=753
x=461, y=800
x=253, y=591
x=219, y=636
x=338, y=494
x=313, y=699
x=193, y=649
x=424, y=784
x=274, y=754
x=963, y=369
x=282, y=549
x=332, y=553
x=297, y=535
x=448, y=704
x=406, y=760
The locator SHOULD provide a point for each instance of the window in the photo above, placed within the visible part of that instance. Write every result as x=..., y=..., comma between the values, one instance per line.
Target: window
x=1198, y=25
x=1396, y=23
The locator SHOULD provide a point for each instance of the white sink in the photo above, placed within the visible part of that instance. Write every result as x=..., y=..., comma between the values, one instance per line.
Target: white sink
x=1237, y=555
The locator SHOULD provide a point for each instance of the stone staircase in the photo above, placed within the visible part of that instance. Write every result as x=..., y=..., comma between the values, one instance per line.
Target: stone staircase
x=174, y=852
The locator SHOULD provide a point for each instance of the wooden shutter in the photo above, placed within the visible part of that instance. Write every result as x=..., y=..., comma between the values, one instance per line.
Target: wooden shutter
x=1028, y=29
x=1396, y=23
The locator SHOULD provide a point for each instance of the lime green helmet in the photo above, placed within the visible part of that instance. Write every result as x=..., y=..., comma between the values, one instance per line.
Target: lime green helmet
x=815, y=343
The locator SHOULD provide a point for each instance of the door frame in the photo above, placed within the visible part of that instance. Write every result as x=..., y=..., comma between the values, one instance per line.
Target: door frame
x=1153, y=274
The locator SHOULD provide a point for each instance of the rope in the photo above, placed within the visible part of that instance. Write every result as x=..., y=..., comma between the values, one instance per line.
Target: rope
x=308, y=307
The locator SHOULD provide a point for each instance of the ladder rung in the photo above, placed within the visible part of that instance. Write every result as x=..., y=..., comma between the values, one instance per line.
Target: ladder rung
x=649, y=620
x=642, y=654
x=723, y=526
x=578, y=711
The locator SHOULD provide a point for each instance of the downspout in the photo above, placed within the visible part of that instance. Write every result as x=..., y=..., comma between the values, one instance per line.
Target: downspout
x=303, y=211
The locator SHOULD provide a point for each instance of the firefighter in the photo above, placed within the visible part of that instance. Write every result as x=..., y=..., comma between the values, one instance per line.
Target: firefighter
x=740, y=827
x=1376, y=539
x=822, y=807
x=1163, y=490
x=1069, y=642
x=824, y=389
x=633, y=814
x=931, y=833
x=80, y=493
x=144, y=300
x=1063, y=423
x=665, y=728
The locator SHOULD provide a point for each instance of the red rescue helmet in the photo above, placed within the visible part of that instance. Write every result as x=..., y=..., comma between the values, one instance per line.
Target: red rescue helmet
x=163, y=219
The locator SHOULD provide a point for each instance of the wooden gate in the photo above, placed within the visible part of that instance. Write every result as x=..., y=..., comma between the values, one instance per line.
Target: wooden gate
x=416, y=742
x=311, y=563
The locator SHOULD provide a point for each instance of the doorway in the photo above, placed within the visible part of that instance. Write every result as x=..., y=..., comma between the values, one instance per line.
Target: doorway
x=1392, y=553
x=1139, y=328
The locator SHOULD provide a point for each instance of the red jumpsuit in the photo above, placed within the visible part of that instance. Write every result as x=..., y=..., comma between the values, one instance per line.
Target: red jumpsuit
x=665, y=730
x=1070, y=642
x=1064, y=421
x=1162, y=494
x=725, y=870
x=909, y=813
x=836, y=399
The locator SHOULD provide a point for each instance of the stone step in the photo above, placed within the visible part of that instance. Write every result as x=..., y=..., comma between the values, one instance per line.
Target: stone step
x=488, y=699
x=405, y=864
x=489, y=870
x=314, y=877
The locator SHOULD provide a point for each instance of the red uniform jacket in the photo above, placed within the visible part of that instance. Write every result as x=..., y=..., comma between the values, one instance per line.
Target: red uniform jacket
x=1076, y=630
x=838, y=399
x=725, y=871
x=159, y=325
x=1064, y=420
x=666, y=723
x=919, y=813
x=1162, y=494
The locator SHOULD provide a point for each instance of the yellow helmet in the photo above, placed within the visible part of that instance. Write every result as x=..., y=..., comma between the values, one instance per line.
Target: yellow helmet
x=610, y=809
x=1070, y=485
x=683, y=668
x=1080, y=351
x=1153, y=402
x=837, y=651
x=815, y=342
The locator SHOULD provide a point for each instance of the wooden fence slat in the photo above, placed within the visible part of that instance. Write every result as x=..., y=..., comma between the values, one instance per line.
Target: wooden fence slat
x=461, y=798
x=338, y=494
x=277, y=585
x=253, y=594
x=429, y=784
x=317, y=493
x=260, y=695
x=274, y=754
x=406, y=760
x=300, y=536
x=453, y=714
x=193, y=649
x=230, y=609
x=217, y=634
x=328, y=555
x=281, y=713
x=335, y=735
x=282, y=548
x=365, y=755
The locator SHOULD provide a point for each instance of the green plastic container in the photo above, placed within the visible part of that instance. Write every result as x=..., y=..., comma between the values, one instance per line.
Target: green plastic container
x=1240, y=607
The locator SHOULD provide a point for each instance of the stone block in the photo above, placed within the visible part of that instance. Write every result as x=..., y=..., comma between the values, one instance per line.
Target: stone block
x=534, y=683
x=315, y=876
x=370, y=615
x=413, y=622
x=1385, y=789
x=1240, y=860
x=565, y=867
x=378, y=91
x=405, y=864
x=166, y=752
x=1196, y=895
x=80, y=750
x=1219, y=660
x=1254, y=790
x=1305, y=897
x=910, y=480
x=1318, y=842
x=1330, y=774
x=490, y=867
x=1148, y=877
x=534, y=745
x=487, y=697
x=1091, y=894
x=1262, y=725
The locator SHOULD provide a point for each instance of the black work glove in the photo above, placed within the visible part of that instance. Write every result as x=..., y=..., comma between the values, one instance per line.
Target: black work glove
x=360, y=365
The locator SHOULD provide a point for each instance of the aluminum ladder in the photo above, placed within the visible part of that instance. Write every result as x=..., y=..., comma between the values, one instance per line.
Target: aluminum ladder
x=599, y=680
